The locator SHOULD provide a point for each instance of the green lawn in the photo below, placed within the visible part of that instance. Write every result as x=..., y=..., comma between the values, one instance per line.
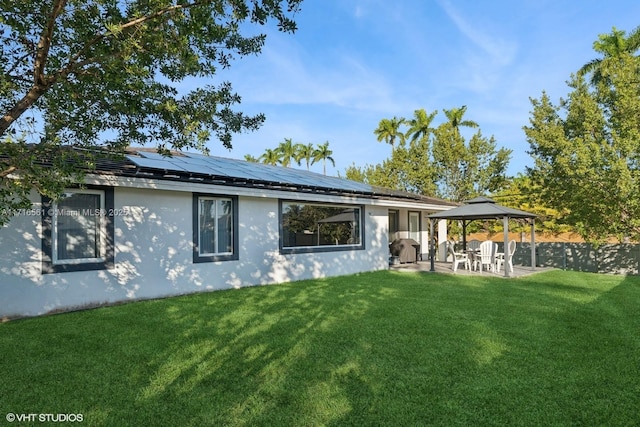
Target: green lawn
x=384, y=348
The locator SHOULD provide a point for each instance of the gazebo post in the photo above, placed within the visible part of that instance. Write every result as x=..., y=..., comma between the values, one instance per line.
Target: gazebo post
x=505, y=226
x=464, y=235
x=533, y=243
x=432, y=244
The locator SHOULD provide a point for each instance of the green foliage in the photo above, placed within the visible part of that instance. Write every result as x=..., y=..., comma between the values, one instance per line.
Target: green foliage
x=587, y=150
x=468, y=170
x=323, y=153
x=107, y=73
x=288, y=150
x=454, y=116
x=611, y=46
x=304, y=152
x=437, y=161
x=389, y=130
x=270, y=157
x=524, y=194
x=420, y=126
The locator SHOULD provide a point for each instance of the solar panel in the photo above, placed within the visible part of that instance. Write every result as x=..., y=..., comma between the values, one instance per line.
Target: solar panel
x=152, y=155
x=162, y=164
x=240, y=169
x=198, y=166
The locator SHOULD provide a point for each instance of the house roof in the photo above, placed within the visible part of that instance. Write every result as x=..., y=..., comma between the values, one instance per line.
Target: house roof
x=192, y=167
x=481, y=208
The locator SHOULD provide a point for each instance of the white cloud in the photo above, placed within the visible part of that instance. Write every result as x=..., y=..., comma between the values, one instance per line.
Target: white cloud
x=286, y=74
x=500, y=51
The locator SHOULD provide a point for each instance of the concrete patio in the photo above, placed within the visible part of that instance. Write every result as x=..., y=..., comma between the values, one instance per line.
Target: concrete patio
x=446, y=267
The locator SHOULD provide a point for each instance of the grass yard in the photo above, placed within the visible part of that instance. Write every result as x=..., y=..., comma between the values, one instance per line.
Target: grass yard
x=385, y=348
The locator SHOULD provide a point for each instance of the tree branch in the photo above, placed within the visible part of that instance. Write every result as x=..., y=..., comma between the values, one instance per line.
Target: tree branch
x=44, y=44
x=40, y=84
x=72, y=62
x=8, y=171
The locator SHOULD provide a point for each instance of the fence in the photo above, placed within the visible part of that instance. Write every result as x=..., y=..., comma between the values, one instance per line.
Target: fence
x=618, y=258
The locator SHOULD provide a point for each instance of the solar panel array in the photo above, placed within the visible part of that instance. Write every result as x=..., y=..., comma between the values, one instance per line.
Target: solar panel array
x=234, y=169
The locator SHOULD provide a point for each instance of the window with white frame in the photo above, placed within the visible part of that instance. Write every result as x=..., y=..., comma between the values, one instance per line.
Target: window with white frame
x=319, y=227
x=215, y=228
x=78, y=231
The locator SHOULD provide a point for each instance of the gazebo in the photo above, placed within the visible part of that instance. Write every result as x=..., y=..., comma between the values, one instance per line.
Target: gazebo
x=484, y=208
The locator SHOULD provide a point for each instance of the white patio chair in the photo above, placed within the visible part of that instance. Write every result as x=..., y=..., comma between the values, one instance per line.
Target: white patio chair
x=458, y=257
x=473, y=244
x=500, y=258
x=487, y=255
x=511, y=249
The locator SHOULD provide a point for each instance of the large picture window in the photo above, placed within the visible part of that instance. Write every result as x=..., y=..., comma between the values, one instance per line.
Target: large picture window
x=215, y=228
x=78, y=231
x=311, y=227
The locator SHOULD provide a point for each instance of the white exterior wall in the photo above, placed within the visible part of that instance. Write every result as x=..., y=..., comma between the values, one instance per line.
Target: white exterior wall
x=153, y=253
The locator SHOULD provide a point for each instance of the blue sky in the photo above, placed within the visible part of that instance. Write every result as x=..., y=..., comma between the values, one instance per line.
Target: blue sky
x=354, y=62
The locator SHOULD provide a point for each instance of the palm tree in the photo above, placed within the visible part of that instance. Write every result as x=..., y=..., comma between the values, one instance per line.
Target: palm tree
x=323, y=153
x=612, y=46
x=250, y=158
x=455, y=118
x=287, y=151
x=420, y=125
x=270, y=157
x=389, y=129
x=304, y=152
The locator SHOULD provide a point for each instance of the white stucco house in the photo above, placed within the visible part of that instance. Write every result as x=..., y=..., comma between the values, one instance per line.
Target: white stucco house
x=153, y=226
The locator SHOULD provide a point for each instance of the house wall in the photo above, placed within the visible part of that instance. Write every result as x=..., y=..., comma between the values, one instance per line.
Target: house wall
x=153, y=254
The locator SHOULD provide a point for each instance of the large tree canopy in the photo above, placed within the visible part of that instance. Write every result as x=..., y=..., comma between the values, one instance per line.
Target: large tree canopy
x=438, y=161
x=587, y=149
x=111, y=73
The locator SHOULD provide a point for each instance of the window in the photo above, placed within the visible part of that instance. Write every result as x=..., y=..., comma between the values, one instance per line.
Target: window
x=215, y=225
x=78, y=231
x=414, y=226
x=394, y=224
x=311, y=227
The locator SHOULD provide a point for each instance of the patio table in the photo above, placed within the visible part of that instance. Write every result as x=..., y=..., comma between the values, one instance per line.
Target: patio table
x=474, y=255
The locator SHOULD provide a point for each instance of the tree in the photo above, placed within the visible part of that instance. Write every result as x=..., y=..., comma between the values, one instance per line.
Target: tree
x=287, y=151
x=385, y=174
x=408, y=169
x=323, y=153
x=586, y=150
x=613, y=47
x=439, y=162
x=251, y=159
x=455, y=119
x=270, y=157
x=106, y=73
x=466, y=170
x=304, y=152
x=420, y=126
x=388, y=130
x=521, y=192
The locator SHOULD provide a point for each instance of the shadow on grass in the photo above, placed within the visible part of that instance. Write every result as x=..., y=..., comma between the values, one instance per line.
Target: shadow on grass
x=381, y=348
